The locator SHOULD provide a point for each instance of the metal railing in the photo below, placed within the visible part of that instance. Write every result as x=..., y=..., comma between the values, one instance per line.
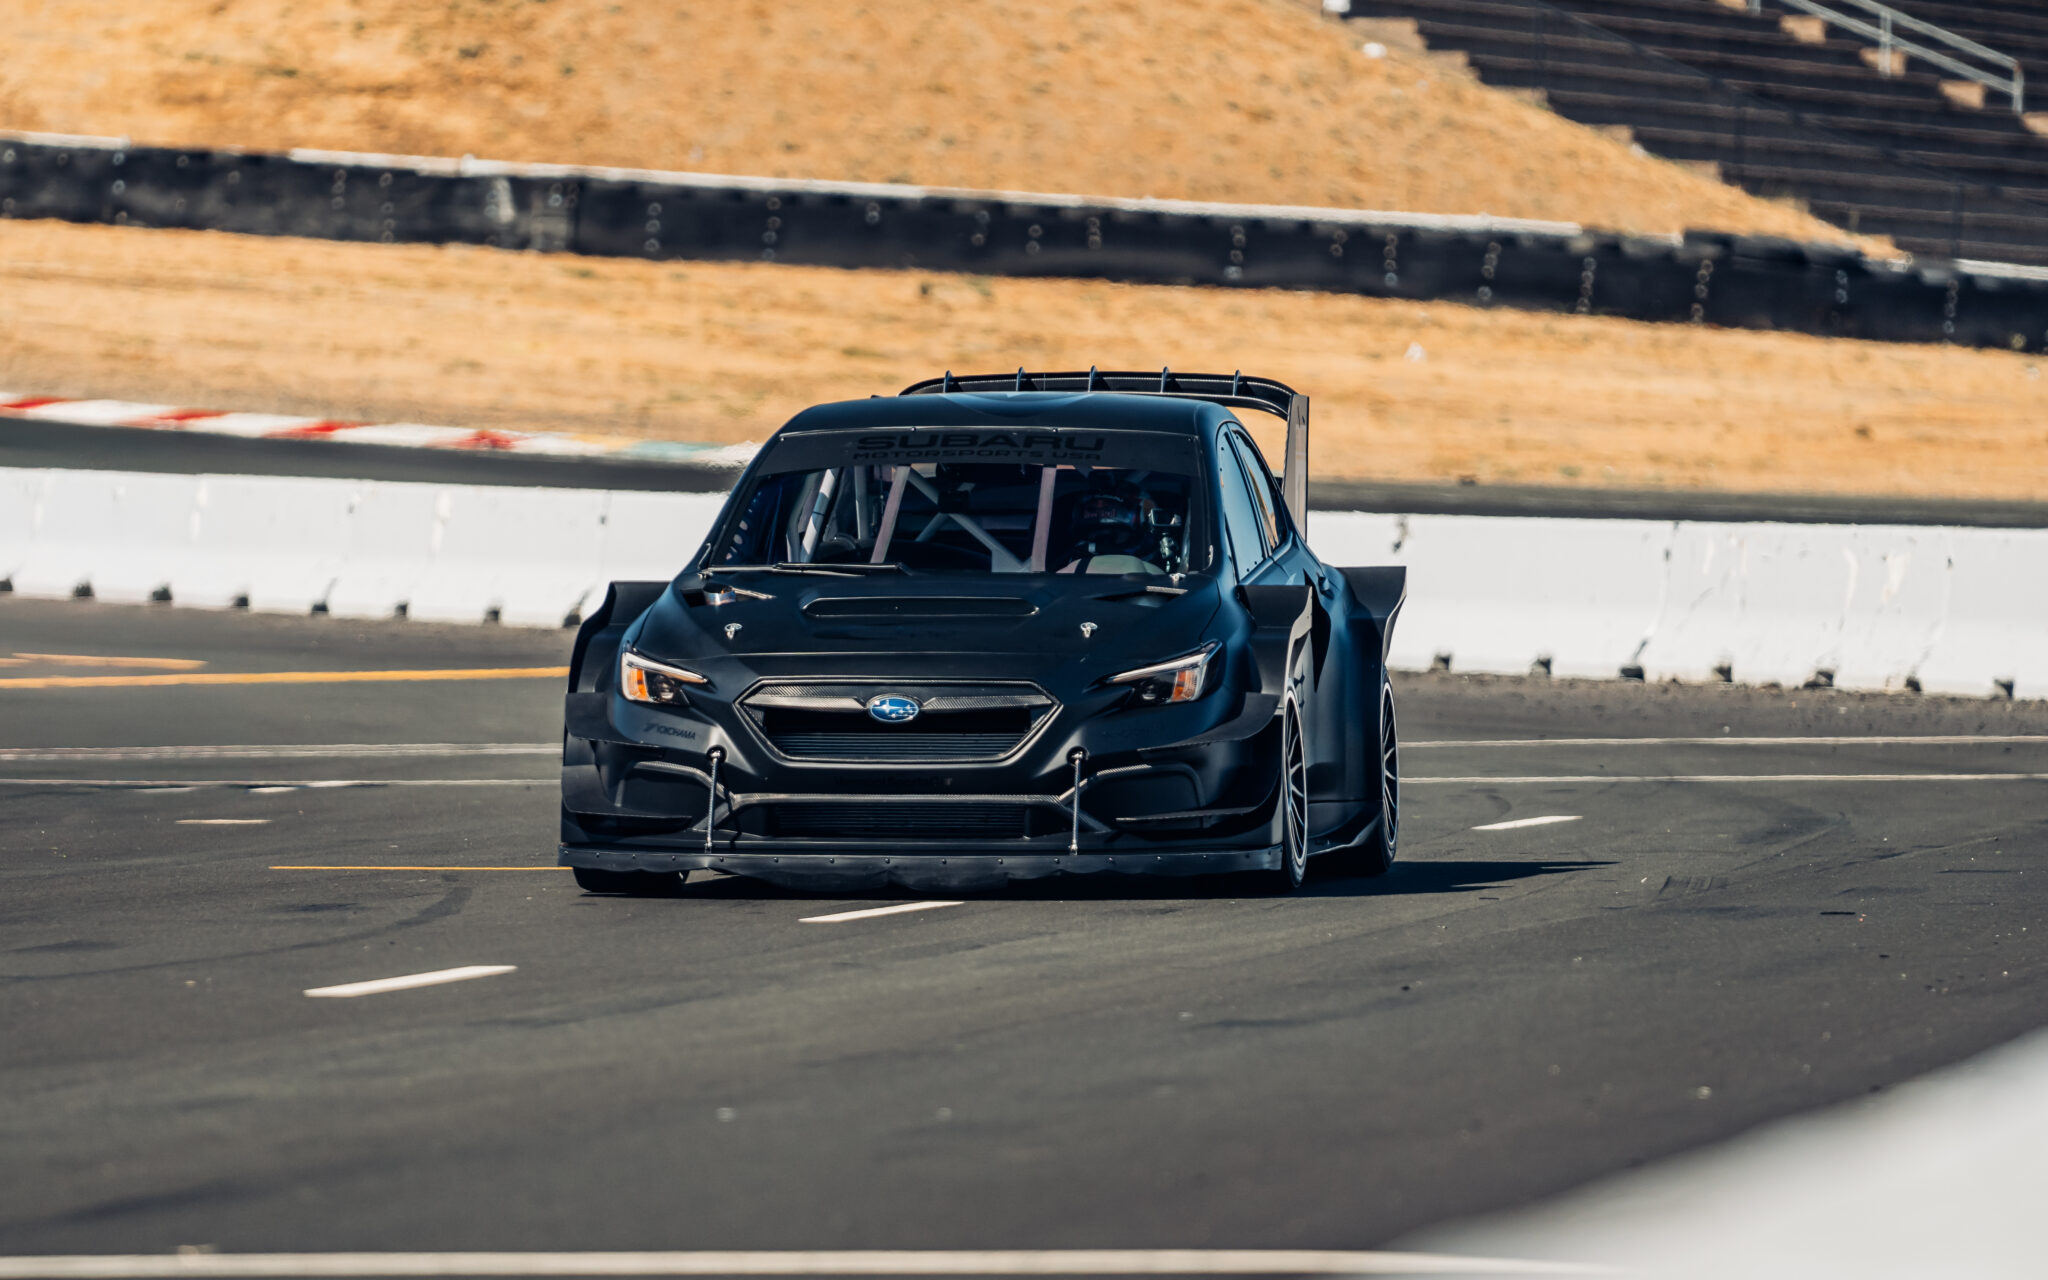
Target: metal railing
x=1884, y=31
x=1557, y=36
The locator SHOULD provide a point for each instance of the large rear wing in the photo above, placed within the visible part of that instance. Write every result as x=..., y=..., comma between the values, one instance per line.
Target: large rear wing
x=1232, y=389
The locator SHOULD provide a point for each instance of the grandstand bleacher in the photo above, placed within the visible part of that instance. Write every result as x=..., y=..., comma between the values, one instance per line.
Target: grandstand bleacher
x=1791, y=109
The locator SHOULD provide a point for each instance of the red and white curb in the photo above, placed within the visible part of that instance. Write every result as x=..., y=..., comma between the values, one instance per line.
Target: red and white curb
x=280, y=426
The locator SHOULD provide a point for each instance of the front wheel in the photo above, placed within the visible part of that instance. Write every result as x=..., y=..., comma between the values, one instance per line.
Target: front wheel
x=638, y=884
x=1293, y=804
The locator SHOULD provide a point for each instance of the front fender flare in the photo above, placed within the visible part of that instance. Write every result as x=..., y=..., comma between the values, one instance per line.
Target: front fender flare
x=1282, y=618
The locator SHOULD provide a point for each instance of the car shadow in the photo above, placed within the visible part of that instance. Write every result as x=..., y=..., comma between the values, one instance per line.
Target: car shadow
x=1443, y=877
x=1421, y=877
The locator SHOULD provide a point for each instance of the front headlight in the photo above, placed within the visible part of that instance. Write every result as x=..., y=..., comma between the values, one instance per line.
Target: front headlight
x=1179, y=680
x=645, y=680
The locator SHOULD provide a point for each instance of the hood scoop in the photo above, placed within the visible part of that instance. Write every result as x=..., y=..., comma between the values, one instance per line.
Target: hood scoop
x=1147, y=595
x=919, y=607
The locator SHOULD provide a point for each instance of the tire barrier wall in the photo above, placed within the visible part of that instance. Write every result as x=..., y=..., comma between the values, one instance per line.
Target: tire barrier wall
x=1942, y=609
x=1736, y=281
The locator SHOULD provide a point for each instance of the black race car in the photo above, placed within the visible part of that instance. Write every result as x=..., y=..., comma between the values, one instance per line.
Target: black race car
x=993, y=628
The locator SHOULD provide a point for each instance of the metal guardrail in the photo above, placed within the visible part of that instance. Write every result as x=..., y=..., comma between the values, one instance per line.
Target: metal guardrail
x=1885, y=33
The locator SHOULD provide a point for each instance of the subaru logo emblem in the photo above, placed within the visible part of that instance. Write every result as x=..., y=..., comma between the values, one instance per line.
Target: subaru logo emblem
x=893, y=708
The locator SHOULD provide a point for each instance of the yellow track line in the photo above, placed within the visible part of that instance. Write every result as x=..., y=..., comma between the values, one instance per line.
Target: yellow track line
x=283, y=677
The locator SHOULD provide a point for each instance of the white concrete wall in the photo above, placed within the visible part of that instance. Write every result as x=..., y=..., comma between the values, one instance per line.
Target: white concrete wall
x=1953, y=610
x=358, y=548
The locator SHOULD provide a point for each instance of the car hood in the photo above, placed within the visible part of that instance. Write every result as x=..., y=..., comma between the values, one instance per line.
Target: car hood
x=1042, y=627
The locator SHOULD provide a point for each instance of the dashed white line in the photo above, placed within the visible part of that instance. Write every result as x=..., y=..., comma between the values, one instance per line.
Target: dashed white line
x=870, y=913
x=315, y=751
x=1878, y=740
x=377, y=986
x=222, y=822
x=879, y=1262
x=266, y=786
x=1568, y=779
x=1546, y=820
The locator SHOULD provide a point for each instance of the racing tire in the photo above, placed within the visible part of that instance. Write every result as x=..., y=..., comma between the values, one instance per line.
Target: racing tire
x=1293, y=809
x=1374, y=856
x=637, y=884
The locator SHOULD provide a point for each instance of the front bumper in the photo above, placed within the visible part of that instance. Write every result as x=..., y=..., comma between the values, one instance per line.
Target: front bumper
x=812, y=865
x=1196, y=780
x=1162, y=791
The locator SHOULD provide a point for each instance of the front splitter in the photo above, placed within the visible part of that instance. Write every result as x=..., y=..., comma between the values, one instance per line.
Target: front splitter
x=919, y=871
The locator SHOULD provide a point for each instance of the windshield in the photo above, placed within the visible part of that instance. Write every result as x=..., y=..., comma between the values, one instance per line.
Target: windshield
x=973, y=501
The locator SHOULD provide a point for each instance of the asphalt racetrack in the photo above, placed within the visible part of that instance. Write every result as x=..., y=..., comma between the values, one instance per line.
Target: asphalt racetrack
x=1705, y=935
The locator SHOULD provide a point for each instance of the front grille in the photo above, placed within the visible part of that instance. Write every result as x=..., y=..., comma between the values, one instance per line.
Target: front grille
x=956, y=723
x=894, y=746
x=865, y=820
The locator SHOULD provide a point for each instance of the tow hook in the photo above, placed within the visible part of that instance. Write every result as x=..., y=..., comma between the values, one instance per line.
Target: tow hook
x=1075, y=758
x=716, y=755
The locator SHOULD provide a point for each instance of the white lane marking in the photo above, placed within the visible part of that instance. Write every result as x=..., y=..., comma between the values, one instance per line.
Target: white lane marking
x=991, y=1262
x=871, y=912
x=405, y=983
x=323, y=751
x=1544, y=821
x=261, y=786
x=222, y=822
x=1932, y=739
x=1746, y=777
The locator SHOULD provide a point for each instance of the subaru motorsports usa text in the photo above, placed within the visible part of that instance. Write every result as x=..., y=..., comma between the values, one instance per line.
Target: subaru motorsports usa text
x=993, y=628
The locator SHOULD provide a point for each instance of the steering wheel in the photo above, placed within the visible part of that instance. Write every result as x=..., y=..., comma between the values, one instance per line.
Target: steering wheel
x=837, y=548
x=937, y=555
x=1110, y=540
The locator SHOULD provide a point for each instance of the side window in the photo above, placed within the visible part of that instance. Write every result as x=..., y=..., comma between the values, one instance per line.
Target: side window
x=1262, y=489
x=1241, y=523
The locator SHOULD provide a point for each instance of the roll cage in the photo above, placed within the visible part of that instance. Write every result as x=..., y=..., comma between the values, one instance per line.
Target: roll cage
x=869, y=506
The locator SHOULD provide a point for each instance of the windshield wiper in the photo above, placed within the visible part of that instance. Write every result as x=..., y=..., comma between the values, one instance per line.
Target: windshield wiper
x=856, y=570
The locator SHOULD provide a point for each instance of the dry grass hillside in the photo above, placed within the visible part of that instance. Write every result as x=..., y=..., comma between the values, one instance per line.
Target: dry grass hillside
x=725, y=352
x=1245, y=100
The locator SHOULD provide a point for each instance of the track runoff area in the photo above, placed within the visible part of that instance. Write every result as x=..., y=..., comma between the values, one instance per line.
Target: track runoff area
x=289, y=971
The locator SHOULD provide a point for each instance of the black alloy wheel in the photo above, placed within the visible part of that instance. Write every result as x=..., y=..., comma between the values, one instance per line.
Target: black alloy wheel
x=1293, y=809
x=1390, y=778
x=1296, y=757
